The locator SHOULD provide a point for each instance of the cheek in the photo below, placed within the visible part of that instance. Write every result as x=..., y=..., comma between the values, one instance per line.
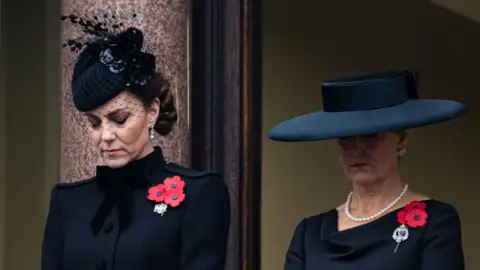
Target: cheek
x=345, y=154
x=132, y=133
x=383, y=160
x=344, y=159
x=95, y=137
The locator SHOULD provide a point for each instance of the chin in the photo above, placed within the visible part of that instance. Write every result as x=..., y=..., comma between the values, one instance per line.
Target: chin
x=363, y=178
x=115, y=163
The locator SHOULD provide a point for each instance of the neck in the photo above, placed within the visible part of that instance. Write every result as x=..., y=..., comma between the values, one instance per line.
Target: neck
x=371, y=198
x=146, y=151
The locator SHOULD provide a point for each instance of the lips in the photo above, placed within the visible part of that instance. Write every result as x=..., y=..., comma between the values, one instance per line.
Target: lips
x=111, y=152
x=358, y=165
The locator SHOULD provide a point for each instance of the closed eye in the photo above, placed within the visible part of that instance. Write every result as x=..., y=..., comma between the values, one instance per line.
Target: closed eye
x=120, y=121
x=119, y=117
x=94, y=121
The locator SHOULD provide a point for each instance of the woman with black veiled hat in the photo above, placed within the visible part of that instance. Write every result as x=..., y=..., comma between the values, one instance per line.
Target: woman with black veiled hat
x=382, y=224
x=138, y=211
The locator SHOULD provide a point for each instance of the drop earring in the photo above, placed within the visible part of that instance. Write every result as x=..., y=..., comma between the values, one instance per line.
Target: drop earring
x=152, y=134
x=402, y=152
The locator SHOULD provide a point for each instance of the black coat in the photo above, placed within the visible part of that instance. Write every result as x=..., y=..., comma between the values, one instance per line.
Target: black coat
x=107, y=222
x=317, y=244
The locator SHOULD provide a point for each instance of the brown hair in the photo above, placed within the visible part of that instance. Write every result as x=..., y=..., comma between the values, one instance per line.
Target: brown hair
x=159, y=87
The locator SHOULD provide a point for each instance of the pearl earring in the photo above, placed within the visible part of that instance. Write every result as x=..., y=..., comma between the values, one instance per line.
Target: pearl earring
x=402, y=152
x=152, y=133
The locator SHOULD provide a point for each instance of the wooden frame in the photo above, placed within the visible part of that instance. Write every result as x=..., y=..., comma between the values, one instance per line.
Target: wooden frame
x=226, y=112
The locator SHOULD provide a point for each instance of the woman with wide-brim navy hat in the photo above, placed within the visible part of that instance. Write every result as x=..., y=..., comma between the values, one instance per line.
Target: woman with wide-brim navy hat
x=382, y=224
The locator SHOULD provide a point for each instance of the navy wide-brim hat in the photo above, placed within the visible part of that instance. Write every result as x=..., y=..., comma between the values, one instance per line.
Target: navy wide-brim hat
x=367, y=104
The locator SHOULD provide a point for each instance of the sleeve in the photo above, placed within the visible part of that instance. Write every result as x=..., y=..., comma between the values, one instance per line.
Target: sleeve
x=52, y=245
x=295, y=253
x=206, y=228
x=443, y=241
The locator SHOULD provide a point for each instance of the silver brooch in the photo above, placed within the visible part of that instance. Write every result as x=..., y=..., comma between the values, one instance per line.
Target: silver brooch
x=399, y=235
x=160, y=208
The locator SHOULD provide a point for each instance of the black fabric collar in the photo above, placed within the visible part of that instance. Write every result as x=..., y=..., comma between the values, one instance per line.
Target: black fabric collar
x=118, y=183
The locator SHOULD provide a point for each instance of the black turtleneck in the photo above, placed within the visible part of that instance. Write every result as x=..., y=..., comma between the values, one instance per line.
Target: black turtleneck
x=119, y=182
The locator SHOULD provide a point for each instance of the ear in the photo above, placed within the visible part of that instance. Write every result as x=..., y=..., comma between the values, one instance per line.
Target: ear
x=153, y=112
x=403, y=140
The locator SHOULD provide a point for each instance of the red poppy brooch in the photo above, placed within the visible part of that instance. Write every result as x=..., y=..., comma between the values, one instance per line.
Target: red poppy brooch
x=168, y=194
x=412, y=216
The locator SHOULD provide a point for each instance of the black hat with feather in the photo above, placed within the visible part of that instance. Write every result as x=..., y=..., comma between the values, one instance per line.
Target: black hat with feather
x=110, y=62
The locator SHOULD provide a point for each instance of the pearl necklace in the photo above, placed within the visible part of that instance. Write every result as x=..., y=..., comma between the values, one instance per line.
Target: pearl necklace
x=364, y=219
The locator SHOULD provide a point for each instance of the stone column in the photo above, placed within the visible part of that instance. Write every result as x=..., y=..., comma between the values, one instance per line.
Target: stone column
x=164, y=23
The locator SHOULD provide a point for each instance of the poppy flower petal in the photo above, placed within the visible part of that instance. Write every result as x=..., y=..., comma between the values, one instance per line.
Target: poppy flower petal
x=170, y=192
x=181, y=184
x=156, y=193
x=410, y=205
x=174, y=182
x=415, y=205
x=416, y=218
x=401, y=216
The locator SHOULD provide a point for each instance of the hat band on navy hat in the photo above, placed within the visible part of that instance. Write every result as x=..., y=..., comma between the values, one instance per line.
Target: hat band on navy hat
x=355, y=96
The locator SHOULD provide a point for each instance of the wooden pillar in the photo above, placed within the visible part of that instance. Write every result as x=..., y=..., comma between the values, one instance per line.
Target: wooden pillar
x=165, y=27
x=226, y=113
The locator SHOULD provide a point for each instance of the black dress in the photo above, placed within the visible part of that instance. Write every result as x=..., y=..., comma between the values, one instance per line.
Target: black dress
x=318, y=245
x=107, y=223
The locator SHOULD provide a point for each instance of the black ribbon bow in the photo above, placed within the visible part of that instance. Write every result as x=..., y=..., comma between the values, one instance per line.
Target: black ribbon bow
x=117, y=185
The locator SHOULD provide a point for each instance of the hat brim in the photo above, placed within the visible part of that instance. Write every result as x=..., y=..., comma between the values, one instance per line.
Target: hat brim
x=322, y=125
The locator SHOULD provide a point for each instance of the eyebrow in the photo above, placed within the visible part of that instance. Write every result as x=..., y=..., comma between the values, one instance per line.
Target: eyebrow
x=110, y=113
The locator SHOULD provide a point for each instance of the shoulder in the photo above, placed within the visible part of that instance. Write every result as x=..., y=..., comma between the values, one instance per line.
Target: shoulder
x=200, y=182
x=442, y=212
x=443, y=237
x=307, y=227
x=180, y=170
x=75, y=185
x=74, y=193
x=319, y=217
x=313, y=221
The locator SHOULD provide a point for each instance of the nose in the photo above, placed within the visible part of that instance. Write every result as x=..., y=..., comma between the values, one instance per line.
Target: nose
x=107, y=134
x=351, y=143
x=354, y=145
